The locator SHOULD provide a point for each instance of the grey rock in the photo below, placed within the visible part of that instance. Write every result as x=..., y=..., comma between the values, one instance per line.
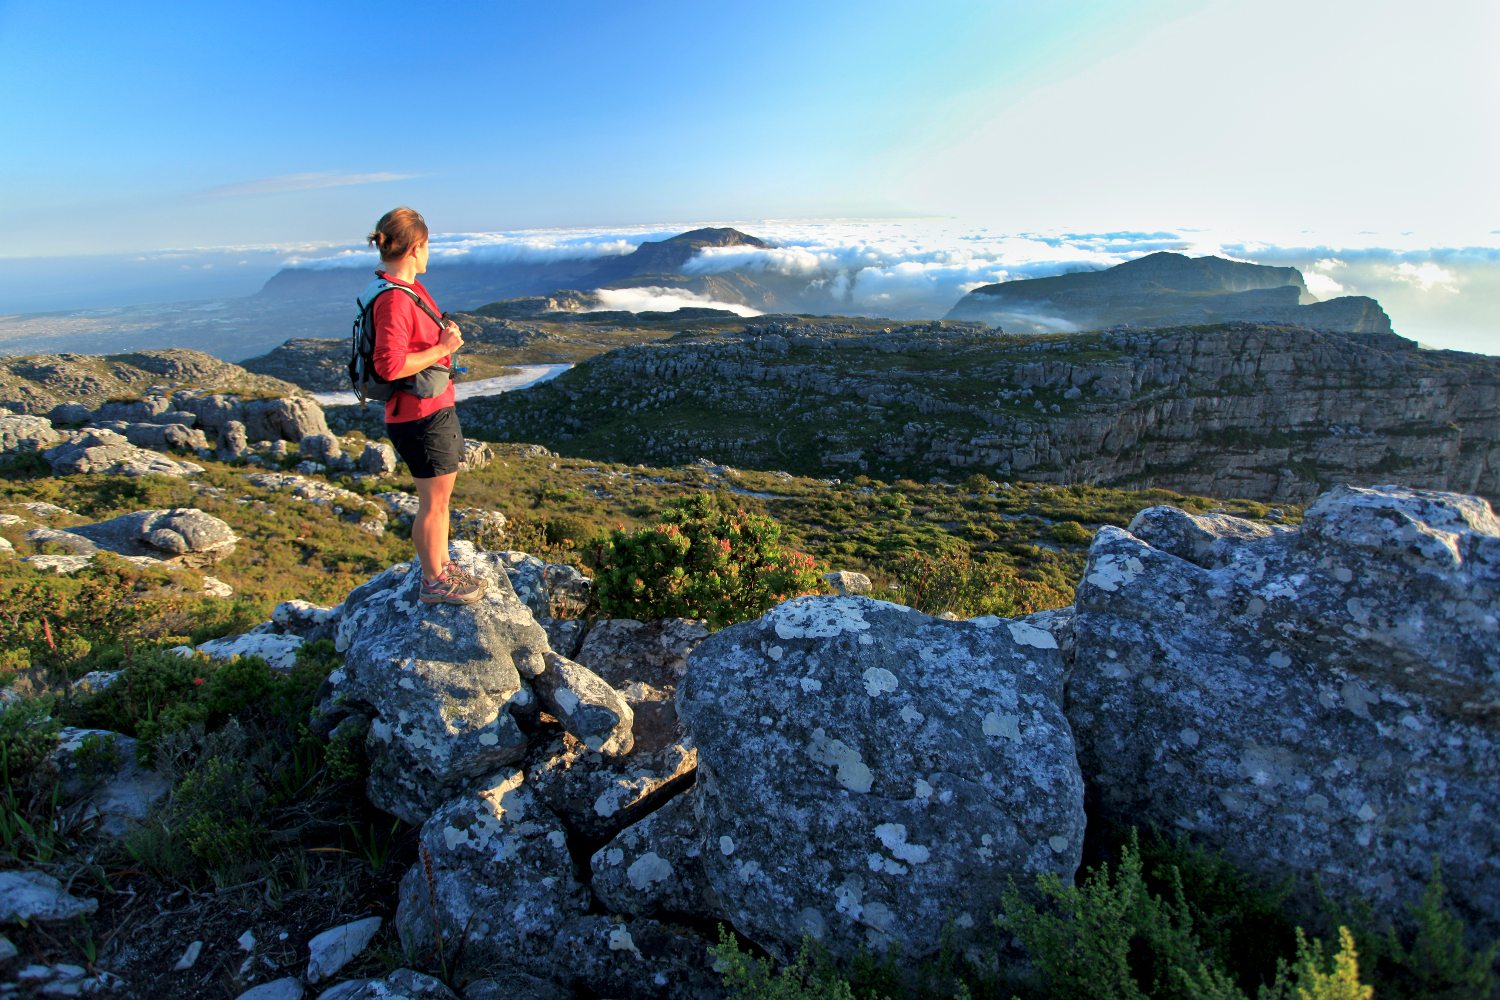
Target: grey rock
x=548, y=589
x=349, y=989
x=563, y=635
x=189, y=957
x=1202, y=539
x=437, y=680
x=181, y=535
x=165, y=436
x=214, y=412
x=848, y=583
x=477, y=455
x=59, y=564
x=866, y=772
x=107, y=785
x=77, y=544
x=626, y=652
x=232, y=440
x=333, y=949
x=144, y=410
x=403, y=984
x=378, y=459
x=311, y=621
x=499, y=872
x=277, y=989
x=515, y=986
x=321, y=448
x=587, y=707
x=596, y=797
x=26, y=895
x=70, y=413
x=1317, y=702
x=656, y=865
x=104, y=452
x=345, y=503
x=8, y=950
x=635, y=960
x=26, y=433
x=290, y=419
x=178, y=417
x=279, y=651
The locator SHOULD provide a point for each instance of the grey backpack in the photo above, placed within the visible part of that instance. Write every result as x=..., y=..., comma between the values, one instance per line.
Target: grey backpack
x=370, y=387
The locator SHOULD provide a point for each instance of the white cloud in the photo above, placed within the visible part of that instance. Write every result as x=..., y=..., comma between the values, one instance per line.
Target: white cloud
x=1322, y=285
x=296, y=182
x=657, y=299
x=1427, y=276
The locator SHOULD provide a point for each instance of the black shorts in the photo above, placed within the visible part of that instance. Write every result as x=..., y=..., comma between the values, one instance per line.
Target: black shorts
x=430, y=446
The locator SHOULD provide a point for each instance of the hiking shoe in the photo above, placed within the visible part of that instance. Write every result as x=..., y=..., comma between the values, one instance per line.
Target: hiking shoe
x=453, y=587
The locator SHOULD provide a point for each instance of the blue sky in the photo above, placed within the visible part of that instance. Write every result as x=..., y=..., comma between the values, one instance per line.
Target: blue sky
x=1302, y=130
x=161, y=125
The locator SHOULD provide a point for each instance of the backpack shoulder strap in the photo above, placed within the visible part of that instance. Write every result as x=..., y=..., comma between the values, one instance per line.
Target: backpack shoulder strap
x=379, y=286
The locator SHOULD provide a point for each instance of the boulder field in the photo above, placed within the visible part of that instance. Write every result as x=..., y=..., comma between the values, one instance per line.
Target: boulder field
x=1318, y=702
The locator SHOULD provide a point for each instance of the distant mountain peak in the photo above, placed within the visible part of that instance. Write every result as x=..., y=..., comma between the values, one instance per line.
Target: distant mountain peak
x=667, y=256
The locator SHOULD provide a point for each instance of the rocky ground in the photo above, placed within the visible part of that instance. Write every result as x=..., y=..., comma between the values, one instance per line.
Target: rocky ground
x=1271, y=414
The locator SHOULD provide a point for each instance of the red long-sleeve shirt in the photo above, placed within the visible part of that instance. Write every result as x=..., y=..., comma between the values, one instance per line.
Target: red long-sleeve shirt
x=401, y=329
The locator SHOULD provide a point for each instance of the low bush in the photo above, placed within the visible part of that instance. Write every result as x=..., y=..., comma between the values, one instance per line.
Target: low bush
x=706, y=559
x=957, y=583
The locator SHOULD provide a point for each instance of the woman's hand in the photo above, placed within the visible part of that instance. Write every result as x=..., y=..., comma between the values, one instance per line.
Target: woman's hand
x=451, y=339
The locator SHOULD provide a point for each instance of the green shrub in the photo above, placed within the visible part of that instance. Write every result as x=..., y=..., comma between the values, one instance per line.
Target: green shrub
x=1071, y=533
x=810, y=977
x=706, y=559
x=28, y=733
x=955, y=582
x=217, y=812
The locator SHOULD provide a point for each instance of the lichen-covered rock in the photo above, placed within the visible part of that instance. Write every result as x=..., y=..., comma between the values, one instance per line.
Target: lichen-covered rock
x=515, y=986
x=477, y=455
x=311, y=621
x=77, y=544
x=867, y=772
x=587, y=707
x=215, y=411
x=70, y=413
x=656, y=866
x=323, y=448
x=596, y=797
x=290, y=419
x=564, y=635
x=144, y=410
x=378, y=459
x=1320, y=701
x=164, y=435
x=279, y=651
x=550, y=590
x=495, y=867
x=104, y=452
x=438, y=681
x=848, y=583
x=626, y=652
x=181, y=535
x=26, y=433
x=635, y=960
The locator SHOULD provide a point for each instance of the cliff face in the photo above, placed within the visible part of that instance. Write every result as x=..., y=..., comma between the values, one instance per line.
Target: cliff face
x=1166, y=289
x=1235, y=410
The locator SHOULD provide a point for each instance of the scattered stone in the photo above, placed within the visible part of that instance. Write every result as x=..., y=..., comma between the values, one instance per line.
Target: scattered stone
x=1317, y=701
x=289, y=419
x=499, y=873
x=289, y=988
x=26, y=895
x=869, y=774
x=333, y=949
x=311, y=621
x=26, y=433
x=213, y=587
x=279, y=651
x=181, y=535
x=587, y=707
x=378, y=459
x=321, y=448
x=438, y=681
x=189, y=958
x=477, y=455
x=106, y=783
x=656, y=866
x=345, y=503
x=246, y=941
x=847, y=583
x=232, y=441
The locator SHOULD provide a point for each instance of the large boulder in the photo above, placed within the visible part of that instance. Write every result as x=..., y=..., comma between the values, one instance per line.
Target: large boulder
x=378, y=459
x=638, y=656
x=323, y=448
x=232, y=440
x=213, y=412
x=1312, y=702
x=144, y=410
x=290, y=419
x=26, y=433
x=438, y=681
x=867, y=773
x=104, y=452
x=550, y=590
x=181, y=535
x=495, y=875
x=165, y=435
x=656, y=866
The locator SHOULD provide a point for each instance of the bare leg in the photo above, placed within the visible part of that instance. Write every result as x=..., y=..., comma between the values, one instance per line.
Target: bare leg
x=429, y=529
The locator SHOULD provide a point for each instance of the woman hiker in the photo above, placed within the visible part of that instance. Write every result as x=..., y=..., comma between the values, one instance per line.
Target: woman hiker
x=425, y=432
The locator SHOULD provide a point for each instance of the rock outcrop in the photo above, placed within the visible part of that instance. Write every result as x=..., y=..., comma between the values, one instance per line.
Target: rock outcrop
x=912, y=768
x=106, y=453
x=181, y=536
x=1312, y=702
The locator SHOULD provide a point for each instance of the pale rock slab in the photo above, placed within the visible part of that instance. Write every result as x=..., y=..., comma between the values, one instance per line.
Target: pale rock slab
x=500, y=868
x=439, y=682
x=867, y=771
x=1319, y=701
x=288, y=988
x=311, y=621
x=333, y=949
x=847, y=583
x=279, y=651
x=108, y=785
x=180, y=536
x=26, y=895
x=585, y=705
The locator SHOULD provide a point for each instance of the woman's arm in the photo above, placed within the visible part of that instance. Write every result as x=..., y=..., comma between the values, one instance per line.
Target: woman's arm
x=449, y=343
